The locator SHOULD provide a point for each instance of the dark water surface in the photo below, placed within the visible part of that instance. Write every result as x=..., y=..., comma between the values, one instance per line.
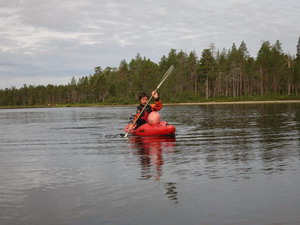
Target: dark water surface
x=228, y=164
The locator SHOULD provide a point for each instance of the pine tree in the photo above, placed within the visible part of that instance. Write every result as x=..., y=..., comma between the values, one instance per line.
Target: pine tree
x=298, y=49
x=297, y=69
x=206, y=69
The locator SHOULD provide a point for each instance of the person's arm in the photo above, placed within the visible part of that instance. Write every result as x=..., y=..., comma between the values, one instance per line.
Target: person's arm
x=158, y=104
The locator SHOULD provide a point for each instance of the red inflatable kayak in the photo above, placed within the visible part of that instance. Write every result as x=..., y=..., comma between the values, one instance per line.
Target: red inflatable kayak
x=160, y=129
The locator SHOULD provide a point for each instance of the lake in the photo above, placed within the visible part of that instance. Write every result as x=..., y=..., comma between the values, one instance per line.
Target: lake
x=228, y=164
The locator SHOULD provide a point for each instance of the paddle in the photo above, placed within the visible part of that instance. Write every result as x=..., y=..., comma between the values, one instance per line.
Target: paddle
x=158, y=86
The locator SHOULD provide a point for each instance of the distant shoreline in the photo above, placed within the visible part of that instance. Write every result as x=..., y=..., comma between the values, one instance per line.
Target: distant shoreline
x=237, y=102
x=165, y=104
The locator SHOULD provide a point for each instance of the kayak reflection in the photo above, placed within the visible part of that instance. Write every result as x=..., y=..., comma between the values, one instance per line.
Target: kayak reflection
x=150, y=151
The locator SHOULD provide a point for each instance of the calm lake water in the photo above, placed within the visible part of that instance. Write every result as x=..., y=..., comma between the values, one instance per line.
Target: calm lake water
x=228, y=164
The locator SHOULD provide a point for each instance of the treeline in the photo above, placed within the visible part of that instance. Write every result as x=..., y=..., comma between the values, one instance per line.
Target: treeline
x=216, y=74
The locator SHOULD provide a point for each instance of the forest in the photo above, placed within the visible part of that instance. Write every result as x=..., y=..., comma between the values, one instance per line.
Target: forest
x=216, y=75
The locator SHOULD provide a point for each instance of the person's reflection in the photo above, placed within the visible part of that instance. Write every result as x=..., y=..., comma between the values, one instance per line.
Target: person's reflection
x=171, y=191
x=150, y=151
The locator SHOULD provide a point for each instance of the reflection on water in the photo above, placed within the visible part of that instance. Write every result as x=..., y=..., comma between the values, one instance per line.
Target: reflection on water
x=171, y=191
x=245, y=138
x=229, y=164
x=150, y=150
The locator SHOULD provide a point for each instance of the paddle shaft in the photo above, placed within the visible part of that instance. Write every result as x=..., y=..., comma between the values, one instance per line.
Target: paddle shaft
x=158, y=86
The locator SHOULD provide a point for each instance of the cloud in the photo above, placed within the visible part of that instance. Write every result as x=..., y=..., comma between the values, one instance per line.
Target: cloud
x=63, y=38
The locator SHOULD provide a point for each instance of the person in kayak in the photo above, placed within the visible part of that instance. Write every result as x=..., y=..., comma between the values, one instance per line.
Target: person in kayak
x=144, y=98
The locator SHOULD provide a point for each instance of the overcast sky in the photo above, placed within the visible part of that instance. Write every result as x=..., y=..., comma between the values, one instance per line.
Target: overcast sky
x=49, y=41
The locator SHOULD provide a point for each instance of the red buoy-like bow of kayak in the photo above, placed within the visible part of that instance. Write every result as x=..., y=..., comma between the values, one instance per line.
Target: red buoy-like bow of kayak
x=160, y=129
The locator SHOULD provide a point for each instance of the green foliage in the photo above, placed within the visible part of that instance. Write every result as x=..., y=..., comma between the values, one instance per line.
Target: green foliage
x=298, y=49
x=216, y=76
